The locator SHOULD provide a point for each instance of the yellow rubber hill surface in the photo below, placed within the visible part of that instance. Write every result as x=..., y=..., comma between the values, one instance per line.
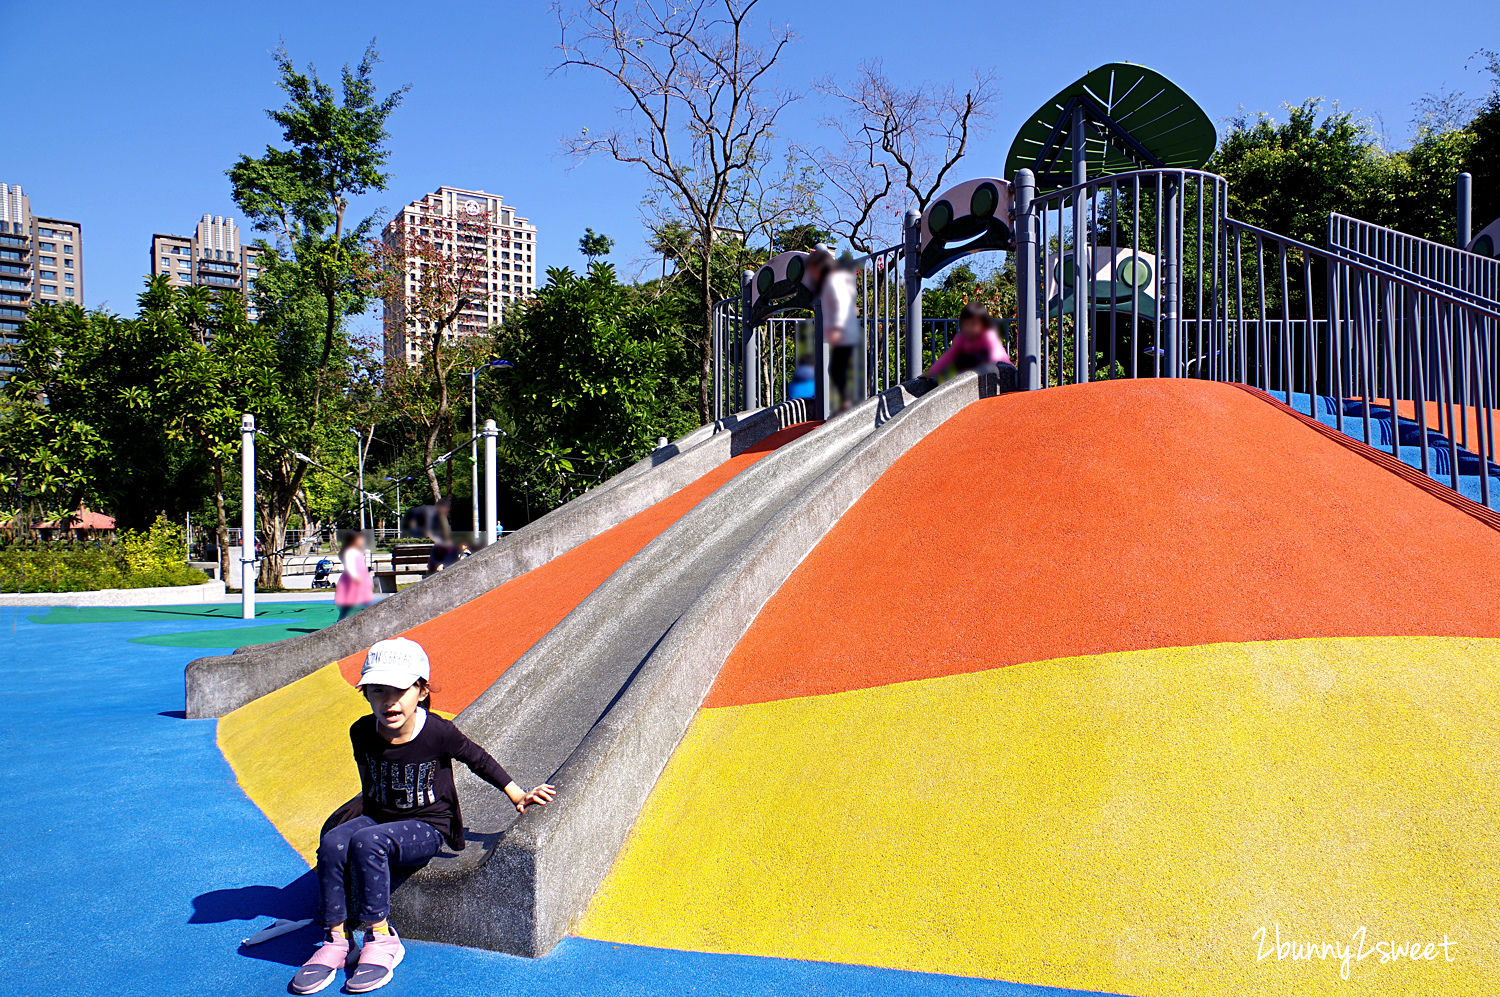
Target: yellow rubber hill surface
x=1140, y=687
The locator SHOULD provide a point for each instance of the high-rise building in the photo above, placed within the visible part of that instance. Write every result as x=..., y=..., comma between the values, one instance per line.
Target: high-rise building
x=212, y=256
x=41, y=261
x=467, y=226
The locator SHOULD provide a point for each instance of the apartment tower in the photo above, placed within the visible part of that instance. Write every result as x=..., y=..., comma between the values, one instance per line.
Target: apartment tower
x=41, y=262
x=212, y=256
x=456, y=224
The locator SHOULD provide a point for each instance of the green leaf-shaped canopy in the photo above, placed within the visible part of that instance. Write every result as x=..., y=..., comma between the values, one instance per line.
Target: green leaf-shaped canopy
x=1136, y=119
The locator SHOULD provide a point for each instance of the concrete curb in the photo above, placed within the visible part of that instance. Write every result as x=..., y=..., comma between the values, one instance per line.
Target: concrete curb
x=168, y=595
x=535, y=875
x=218, y=684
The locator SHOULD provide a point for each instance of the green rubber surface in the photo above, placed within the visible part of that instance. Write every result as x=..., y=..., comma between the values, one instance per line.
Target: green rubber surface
x=205, y=625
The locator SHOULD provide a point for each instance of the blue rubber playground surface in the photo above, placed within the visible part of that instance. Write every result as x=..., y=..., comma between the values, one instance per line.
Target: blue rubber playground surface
x=135, y=865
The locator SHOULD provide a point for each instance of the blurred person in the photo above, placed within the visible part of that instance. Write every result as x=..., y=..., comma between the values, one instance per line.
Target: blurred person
x=355, y=588
x=430, y=522
x=803, y=379
x=834, y=285
x=976, y=345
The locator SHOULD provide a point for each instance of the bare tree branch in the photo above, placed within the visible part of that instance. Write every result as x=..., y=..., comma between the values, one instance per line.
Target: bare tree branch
x=895, y=148
x=698, y=116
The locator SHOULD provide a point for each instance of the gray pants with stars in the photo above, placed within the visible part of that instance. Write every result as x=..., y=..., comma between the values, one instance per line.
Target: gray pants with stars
x=355, y=859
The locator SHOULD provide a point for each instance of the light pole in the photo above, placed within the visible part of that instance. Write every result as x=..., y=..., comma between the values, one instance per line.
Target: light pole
x=359, y=449
x=398, y=498
x=474, y=433
x=489, y=481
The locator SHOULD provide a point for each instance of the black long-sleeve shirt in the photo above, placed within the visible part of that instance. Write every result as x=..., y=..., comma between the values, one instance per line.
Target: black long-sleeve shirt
x=414, y=781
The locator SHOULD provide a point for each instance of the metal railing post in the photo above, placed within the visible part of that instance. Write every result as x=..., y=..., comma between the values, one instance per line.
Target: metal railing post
x=1465, y=198
x=716, y=346
x=750, y=386
x=1083, y=297
x=490, y=478
x=247, y=516
x=1029, y=336
x=1171, y=279
x=913, y=243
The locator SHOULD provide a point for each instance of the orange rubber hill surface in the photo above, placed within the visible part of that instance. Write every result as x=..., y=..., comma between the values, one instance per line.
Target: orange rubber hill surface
x=489, y=633
x=1107, y=517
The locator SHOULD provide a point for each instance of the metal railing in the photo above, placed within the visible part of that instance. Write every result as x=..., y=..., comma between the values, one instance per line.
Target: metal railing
x=1230, y=301
x=1145, y=274
x=1432, y=264
x=880, y=286
x=1389, y=338
x=728, y=358
x=1136, y=243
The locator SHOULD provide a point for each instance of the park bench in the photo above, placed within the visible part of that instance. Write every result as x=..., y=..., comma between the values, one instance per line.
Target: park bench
x=405, y=559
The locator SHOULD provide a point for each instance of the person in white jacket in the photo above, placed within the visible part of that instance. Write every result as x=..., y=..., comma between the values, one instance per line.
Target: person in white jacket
x=842, y=332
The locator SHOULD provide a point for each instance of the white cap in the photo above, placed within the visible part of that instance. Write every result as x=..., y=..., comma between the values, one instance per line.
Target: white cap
x=397, y=662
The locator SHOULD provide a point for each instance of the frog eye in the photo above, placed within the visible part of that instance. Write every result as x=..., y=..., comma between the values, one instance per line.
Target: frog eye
x=939, y=217
x=984, y=201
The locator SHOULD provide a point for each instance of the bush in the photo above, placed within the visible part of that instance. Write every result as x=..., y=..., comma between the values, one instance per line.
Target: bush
x=150, y=559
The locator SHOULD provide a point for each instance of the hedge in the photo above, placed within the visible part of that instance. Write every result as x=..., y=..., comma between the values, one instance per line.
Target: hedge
x=154, y=558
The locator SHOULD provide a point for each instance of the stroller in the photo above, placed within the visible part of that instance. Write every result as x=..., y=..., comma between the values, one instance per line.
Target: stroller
x=322, y=573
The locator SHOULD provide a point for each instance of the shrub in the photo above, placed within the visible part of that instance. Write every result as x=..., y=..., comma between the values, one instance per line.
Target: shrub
x=155, y=557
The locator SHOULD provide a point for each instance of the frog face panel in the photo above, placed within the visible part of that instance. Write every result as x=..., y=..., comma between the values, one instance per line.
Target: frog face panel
x=972, y=217
x=1116, y=277
x=778, y=284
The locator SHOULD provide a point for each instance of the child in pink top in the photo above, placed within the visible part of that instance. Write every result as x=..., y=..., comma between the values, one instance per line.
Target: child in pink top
x=355, y=588
x=976, y=345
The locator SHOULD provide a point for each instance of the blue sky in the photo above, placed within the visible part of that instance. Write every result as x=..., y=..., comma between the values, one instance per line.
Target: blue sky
x=154, y=101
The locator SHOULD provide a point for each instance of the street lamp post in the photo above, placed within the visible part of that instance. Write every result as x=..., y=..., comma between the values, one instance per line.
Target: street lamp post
x=489, y=481
x=474, y=435
x=359, y=449
x=247, y=516
x=398, y=497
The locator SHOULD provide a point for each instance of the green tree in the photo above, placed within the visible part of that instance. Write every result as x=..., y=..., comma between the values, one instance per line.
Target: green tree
x=90, y=420
x=319, y=270
x=1423, y=183
x=225, y=366
x=1288, y=176
x=135, y=417
x=591, y=391
x=802, y=237
x=1483, y=156
x=594, y=244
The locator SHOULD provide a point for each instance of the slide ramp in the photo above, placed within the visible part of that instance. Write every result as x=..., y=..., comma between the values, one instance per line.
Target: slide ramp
x=272, y=741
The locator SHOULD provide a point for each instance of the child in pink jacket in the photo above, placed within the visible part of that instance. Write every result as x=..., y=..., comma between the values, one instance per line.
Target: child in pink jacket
x=976, y=345
x=355, y=588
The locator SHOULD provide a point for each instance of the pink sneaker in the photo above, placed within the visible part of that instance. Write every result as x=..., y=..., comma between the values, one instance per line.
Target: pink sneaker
x=377, y=962
x=324, y=964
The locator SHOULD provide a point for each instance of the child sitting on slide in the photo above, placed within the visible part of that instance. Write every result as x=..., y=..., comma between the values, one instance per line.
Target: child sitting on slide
x=410, y=806
x=976, y=345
